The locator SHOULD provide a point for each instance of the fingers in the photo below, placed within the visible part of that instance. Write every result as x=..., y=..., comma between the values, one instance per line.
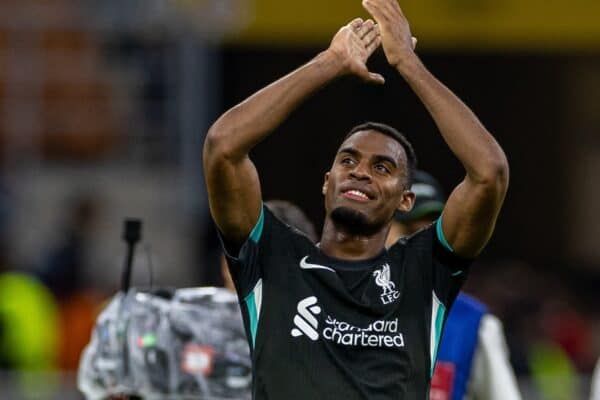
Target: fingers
x=370, y=77
x=355, y=24
x=371, y=47
x=373, y=9
x=382, y=8
x=372, y=35
x=360, y=39
x=366, y=32
x=414, y=42
x=365, y=28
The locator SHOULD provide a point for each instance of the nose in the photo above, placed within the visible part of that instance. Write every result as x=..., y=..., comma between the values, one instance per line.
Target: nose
x=361, y=172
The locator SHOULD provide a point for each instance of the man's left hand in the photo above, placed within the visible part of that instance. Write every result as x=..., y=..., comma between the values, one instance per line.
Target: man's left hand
x=398, y=43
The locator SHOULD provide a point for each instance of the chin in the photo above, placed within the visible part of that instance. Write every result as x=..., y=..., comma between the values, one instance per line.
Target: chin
x=352, y=221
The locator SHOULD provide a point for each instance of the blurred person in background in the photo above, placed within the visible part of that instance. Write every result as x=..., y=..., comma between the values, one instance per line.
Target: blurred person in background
x=63, y=270
x=473, y=361
x=287, y=281
x=5, y=211
x=289, y=214
x=544, y=368
x=595, y=391
x=29, y=328
x=553, y=370
x=560, y=310
x=63, y=267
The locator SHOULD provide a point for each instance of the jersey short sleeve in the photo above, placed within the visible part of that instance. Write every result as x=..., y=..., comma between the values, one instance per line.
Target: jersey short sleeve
x=270, y=239
x=449, y=271
x=443, y=273
x=260, y=262
x=243, y=261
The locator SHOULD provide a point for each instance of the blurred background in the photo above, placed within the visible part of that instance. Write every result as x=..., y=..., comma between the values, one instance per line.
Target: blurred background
x=103, y=111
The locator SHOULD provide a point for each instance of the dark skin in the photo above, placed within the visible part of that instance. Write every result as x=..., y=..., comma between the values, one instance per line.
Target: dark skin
x=471, y=210
x=375, y=165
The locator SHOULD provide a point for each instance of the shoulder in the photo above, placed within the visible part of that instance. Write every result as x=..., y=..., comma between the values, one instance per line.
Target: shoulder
x=421, y=237
x=271, y=236
x=280, y=230
x=470, y=302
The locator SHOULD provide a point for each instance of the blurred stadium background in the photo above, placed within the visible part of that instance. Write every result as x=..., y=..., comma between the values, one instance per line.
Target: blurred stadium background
x=103, y=110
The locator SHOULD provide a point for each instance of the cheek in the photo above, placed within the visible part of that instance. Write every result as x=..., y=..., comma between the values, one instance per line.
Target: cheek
x=330, y=197
x=392, y=193
x=329, y=190
x=332, y=181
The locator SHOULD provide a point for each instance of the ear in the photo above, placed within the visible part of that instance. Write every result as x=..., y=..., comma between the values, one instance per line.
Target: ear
x=325, y=183
x=407, y=201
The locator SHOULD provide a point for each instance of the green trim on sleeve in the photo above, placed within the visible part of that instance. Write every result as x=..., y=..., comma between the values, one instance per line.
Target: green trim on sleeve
x=253, y=315
x=439, y=323
x=440, y=235
x=258, y=228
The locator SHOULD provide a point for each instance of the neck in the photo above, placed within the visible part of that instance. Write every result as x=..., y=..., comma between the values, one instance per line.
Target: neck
x=338, y=243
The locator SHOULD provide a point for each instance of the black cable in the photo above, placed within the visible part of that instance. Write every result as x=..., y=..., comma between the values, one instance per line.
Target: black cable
x=132, y=235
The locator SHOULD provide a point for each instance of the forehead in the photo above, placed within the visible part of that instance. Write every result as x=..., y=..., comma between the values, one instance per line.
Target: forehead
x=375, y=143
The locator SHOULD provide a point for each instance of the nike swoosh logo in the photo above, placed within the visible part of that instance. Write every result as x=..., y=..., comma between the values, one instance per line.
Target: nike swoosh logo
x=305, y=265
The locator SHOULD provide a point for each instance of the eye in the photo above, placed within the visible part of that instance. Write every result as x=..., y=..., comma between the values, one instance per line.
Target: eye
x=382, y=168
x=347, y=161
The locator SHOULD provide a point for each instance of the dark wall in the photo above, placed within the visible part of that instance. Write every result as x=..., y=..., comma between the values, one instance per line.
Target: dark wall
x=517, y=97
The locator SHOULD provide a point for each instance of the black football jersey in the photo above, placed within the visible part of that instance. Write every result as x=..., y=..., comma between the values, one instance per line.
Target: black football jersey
x=325, y=328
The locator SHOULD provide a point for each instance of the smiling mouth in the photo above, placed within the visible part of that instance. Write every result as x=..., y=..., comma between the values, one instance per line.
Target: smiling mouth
x=356, y=195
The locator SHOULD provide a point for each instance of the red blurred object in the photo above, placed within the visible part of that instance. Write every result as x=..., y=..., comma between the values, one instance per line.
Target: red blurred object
x=442, y=381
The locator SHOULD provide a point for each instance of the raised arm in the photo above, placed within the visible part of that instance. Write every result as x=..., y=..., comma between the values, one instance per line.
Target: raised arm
x=231, y=178
x=471, y=211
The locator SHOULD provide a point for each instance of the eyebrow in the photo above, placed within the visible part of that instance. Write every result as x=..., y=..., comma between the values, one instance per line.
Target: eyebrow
x=349, y=150
x=379, y=157
x=386, y=159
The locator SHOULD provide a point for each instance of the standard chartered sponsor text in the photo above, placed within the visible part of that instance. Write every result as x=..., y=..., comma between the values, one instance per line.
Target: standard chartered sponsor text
x=379, y=334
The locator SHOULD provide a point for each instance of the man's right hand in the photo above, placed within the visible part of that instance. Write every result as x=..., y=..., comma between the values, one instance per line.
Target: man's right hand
x=353, y=44
x=232, y=181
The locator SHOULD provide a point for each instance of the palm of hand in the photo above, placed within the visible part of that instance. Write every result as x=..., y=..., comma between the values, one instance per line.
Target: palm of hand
x=351, y=50
x=354, y=44
x=396, y=38
x=397, y=43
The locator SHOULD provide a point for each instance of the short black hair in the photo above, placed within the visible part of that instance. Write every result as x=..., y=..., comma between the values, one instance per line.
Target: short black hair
x=411, y=156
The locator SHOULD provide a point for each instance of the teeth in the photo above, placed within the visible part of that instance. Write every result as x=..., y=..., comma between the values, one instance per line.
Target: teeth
x=358, y=193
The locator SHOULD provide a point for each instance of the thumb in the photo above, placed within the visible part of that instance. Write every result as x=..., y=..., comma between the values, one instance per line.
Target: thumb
x=414, y=42
x=372, y=77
